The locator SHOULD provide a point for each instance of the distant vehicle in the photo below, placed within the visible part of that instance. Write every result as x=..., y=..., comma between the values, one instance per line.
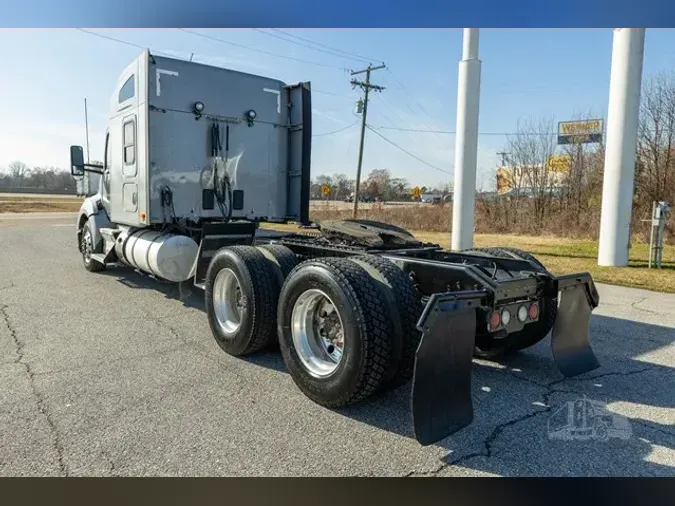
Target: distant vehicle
x=429, y=198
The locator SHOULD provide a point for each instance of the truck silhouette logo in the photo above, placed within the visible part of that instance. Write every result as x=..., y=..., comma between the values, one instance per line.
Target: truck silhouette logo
x=585, y=419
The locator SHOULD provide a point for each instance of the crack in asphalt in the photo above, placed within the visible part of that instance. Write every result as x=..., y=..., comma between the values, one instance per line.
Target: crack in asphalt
x=602, y=375
x=488, y=443
x=127, y=359
x=648, y=311
x=648, y=425
x=39, y=400
x=10, y=285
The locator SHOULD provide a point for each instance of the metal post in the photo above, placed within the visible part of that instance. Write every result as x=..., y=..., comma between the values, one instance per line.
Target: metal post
x=622, y=127
x=651, y=235
x=466, y=143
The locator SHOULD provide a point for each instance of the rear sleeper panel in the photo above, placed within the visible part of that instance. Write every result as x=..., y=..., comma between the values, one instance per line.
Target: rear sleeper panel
x=180, y=145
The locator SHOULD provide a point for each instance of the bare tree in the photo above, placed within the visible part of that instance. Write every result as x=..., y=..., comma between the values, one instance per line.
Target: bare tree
x=342, y=186
x=529, y=152
x=655, y=177
x=581, y=173
x=18, y=171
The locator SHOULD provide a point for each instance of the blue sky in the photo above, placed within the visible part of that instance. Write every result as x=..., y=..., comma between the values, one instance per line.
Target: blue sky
x=525, y=74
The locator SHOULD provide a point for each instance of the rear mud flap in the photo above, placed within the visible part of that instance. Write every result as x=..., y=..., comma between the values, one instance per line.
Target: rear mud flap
x=569, y=338
x=441, y=386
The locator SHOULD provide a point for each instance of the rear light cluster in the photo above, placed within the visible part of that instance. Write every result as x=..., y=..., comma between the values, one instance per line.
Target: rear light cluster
x=524, y=313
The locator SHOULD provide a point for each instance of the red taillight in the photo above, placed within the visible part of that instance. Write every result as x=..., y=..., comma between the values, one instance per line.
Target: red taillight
x=533, y=311
x=495, y=320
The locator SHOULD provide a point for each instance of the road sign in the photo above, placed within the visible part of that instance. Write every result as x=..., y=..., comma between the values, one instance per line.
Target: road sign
x=416, y=192
x=325, y=190
x=580, y=132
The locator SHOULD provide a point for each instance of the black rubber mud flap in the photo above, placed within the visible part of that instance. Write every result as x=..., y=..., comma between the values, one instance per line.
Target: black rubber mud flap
x=569, y=338
x=441, y=385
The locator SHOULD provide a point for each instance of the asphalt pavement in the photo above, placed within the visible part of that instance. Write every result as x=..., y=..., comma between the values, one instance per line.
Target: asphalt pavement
x=110, y=374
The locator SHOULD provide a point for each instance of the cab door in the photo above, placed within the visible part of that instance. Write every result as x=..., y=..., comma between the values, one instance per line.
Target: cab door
x=124, y=196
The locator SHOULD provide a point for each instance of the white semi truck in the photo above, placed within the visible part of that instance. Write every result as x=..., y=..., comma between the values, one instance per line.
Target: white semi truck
x=197, y=156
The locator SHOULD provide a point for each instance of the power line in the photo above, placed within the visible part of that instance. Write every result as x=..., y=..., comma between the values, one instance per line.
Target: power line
x=409, y=94
x=333, y=94
x=122, y=42
x=363, y=58
x=421, y=108
x=223, y=41
x=127, y=43
x=452, y=132
x=407, y=152
x=306, y=45
x=336, y=131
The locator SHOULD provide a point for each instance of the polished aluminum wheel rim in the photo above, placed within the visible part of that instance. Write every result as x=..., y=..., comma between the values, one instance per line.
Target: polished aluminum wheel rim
x=227, y=301
x=318, y=333
x=88, y=246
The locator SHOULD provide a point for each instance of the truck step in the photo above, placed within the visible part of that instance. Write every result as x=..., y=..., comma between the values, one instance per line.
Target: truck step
x=109, y=234
x=99, y=257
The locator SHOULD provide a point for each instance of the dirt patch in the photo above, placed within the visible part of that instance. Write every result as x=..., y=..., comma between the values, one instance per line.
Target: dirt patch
x=19, y=206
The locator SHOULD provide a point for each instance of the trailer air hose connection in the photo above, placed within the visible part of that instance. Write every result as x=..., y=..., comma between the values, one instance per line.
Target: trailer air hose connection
x=222, y=189
x=167, y=201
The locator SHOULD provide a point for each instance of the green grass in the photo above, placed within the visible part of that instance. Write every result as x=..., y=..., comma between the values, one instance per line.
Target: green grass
x=566, y=256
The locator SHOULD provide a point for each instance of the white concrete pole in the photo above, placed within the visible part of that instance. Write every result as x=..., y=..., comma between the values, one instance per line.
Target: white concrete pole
x=466, y=143
x=622, y=129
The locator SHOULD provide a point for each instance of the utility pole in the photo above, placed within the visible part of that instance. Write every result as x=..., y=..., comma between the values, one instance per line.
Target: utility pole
x=503, y=155
x=366, y=87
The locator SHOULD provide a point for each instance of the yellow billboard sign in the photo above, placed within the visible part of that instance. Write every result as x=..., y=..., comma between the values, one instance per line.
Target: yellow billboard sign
x=504, y=181
x=580, y=132
x=559, y=163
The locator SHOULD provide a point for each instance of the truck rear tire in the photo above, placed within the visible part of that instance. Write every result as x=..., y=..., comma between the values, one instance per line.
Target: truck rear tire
x=334, y=331
x=488, y=347
x=281, y=256
x=406, y=309
x=87, y=247
x=241, y=293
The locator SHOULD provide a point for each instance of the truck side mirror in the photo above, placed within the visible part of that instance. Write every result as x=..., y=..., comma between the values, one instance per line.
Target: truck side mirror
x=76, y=161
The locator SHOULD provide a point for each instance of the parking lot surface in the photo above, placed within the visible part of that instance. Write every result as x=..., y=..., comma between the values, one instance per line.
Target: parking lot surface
x=110, y=374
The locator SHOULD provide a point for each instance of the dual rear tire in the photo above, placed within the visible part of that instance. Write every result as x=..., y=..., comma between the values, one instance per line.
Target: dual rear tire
x=345, y=326
x=489, y=347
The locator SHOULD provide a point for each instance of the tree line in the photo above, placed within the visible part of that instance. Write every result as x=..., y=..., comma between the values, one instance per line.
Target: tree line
x=542, y=200
x=378, y=185
x=17, y=175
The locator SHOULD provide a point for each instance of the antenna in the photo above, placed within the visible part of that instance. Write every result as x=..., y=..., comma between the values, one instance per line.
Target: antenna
x=86, y=127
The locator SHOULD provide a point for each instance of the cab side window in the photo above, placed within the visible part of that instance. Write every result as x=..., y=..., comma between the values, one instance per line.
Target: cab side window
x=129, y=141
x=127, y=91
